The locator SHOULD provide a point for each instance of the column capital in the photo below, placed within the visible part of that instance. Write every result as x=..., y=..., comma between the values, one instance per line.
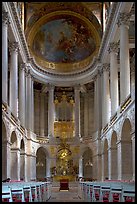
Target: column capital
x=105, y=67
x=23, y=66
x=14, y=47
x=50, y=87
x=5, y=17
x=95, y=76
x=123, y=19
x=113, y=47
x=77, y=87
x=28, y=72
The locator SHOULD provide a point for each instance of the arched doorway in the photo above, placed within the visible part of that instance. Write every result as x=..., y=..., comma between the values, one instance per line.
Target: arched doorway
x=22, y=160
x=14, y=166
x=4, y=152
x=126, y=151
x=41, y=166
x=106, y=159
x=114, y=163
x=88, y=164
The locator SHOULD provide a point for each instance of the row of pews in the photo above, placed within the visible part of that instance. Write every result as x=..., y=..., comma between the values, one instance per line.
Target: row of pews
x=107, y=191
x=26, y=191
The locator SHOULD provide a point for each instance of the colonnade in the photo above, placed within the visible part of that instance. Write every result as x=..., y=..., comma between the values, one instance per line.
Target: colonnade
x=109, y=75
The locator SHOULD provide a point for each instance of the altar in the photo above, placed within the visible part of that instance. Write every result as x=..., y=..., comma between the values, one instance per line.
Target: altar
x=64, y=184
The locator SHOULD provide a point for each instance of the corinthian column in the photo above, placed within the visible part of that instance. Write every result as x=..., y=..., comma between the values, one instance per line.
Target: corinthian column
x=123, y=23
x=32, y=102
x=113, y=49
x=42, y=120
x=14, y=78
x=22, y=94
x=106, y=95
x=51, y=111
x=5, y=21
x=77, y=111
x=29, y=101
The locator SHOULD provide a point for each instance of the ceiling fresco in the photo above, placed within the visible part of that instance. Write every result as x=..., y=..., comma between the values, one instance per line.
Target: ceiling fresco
x=64, y=40
x=62, y=37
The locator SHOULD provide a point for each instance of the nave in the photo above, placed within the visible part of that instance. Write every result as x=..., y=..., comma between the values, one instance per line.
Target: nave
x=72, y=195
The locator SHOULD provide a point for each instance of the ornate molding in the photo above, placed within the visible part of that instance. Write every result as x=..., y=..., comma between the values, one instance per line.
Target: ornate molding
x=124, y=19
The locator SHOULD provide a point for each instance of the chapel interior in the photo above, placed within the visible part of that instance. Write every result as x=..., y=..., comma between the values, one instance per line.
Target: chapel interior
x=68, y=91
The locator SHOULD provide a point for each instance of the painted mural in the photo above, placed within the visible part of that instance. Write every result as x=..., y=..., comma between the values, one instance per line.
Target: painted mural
x=64, y=40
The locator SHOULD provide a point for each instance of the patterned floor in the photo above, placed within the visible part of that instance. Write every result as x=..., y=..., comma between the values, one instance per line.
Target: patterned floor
x=65, y=196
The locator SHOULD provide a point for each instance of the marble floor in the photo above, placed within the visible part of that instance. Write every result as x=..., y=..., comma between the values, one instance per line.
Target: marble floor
x=65, y=196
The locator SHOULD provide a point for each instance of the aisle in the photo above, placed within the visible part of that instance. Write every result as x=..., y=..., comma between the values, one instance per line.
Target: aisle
x=65, y=196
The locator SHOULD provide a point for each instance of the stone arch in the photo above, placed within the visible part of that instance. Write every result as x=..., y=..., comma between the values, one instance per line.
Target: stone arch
x=15, y=156
x=114, y=156
x=126, y=150
x=88, y=163
x=42, y=165
x=22, y=159
x=4, y=151
x=105, y=154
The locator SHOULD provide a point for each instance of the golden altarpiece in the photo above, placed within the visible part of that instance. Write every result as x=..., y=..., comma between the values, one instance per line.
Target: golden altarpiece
x=64, y=131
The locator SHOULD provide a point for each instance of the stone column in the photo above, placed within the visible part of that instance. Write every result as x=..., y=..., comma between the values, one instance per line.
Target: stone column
x=119, y=159
x=29, y=101
x=102, y=158
x=42, y=114
x=48, y=162
x=77, y=111
x=113, y=49
x=86, y=115
x=99, y=100
x=51, y=111
x=5, y=21
x=81, y=166
x=22, y=93
x=14, y=78
x=106, y=95
x=114, y=170
x=133, y=154
x=32, y=102
x=109, y=163
x=95, y=103
x=123, y=23
x=6, y=162
x=15, y=164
